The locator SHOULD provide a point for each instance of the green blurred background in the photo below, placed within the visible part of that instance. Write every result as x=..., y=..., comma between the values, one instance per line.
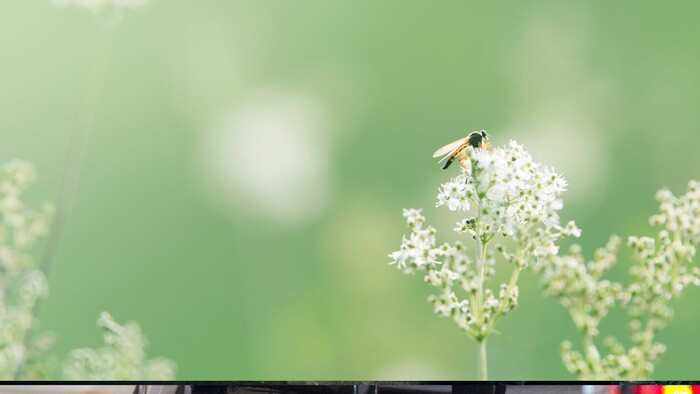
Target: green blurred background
x=244, y=180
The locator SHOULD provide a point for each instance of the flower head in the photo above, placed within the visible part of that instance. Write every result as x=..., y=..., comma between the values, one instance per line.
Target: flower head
x=506, y=193
x=512, y=195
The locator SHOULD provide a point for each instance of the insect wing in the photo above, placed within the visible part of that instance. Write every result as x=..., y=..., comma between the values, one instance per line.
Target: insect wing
x=449, y=154
x=449, y=148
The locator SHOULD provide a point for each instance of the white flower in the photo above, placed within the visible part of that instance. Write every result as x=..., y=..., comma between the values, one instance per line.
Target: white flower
x=680, y=214
x=414, y=217
x=122, y=358
x=418, y=250
x=510, y=190
x=33, y=286
x=545, y=249
x=400, y=256
x=660, y=274
x=455, y=194
x=571, y=230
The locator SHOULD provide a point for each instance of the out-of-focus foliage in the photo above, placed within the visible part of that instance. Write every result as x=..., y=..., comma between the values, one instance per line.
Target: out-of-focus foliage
x=663, y=268
x=122, y=357
x=24, y=353
x=22, y=284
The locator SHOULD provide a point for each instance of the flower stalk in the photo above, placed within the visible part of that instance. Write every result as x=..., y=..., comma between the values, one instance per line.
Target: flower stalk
x=82, y=126
x=481, y=358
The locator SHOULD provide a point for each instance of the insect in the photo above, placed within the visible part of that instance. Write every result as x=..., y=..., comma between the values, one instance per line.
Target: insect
x=458, y=149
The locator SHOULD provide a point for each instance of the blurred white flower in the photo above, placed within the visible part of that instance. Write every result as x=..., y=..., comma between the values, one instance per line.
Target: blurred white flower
x=269, y=157
x=558, y=103
x=122, y=358
x=680, y=214
x=565, y=143
x=23, y=352
x=22, y=284
x=661, y=272
x=414, y=217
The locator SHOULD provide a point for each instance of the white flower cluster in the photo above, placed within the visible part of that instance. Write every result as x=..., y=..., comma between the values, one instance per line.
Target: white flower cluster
x=21, y=283
x=21, y=226
x=122, y=357
x=511, y=196
x=445, y=265
x=660, y=275
x=680, y=215
x=579, y=286
x=418, y=250
x=23, y=353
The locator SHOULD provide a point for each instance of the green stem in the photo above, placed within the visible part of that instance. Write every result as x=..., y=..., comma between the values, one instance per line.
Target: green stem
x=593, y=357
x=481, y=358
x=499, y=312
x=480, y=291
x=481, y=319
x=479, y=315
x=82, y=125
x=80, y=132
x=648, y=339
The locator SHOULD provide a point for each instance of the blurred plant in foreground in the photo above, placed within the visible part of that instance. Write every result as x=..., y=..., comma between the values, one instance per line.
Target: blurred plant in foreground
x=123, y=357
x=23, y=353
x=660, y=274
x=22, y=284
x=512, y=197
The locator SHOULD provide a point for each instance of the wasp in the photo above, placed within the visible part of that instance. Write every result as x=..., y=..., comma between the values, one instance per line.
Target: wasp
x=458, y=149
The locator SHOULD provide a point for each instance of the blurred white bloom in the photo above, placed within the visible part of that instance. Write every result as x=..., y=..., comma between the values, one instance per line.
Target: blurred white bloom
x=123, y=357
x=558, y=100
x=21, y=283
x=15, y=176
x=571, y=230
x=414, y=217
x=575, y=141
x=269, y=158
x=33, y=286
x=680, y=214
x=660, y=274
